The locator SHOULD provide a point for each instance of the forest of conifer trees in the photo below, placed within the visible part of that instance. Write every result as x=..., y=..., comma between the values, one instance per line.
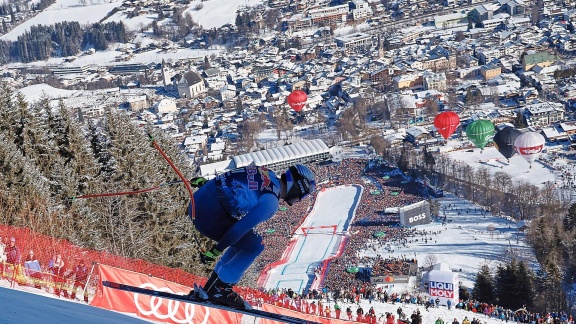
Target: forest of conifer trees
x=48, y=158
x=61, y=39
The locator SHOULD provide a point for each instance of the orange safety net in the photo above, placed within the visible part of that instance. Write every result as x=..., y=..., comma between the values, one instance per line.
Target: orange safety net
x=42, y=270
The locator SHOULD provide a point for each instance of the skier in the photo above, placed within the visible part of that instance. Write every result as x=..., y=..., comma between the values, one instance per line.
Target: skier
x=228, y=208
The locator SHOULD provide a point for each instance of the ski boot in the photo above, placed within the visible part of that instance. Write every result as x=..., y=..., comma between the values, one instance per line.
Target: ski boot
x=221, y=293
x=199, y=292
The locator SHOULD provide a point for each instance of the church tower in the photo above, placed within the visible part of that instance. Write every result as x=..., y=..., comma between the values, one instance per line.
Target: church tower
x=166, y=76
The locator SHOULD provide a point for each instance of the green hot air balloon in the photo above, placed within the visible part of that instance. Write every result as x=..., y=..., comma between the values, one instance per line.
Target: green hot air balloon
x=480, y=132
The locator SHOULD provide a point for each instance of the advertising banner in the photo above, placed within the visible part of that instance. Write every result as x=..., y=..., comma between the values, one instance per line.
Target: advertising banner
x=154, y=308
x=441, y=289
x=415, y=214
x=390, y=280
x=443, y=284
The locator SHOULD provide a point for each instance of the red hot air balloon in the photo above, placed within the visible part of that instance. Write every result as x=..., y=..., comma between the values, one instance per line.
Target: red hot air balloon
x=297, y=100
x=446, y=123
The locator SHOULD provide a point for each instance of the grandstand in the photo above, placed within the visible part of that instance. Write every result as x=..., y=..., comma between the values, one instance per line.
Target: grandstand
x=276, y=159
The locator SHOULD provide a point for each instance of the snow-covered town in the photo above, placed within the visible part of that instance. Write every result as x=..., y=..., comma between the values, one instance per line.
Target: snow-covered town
x=485, y=60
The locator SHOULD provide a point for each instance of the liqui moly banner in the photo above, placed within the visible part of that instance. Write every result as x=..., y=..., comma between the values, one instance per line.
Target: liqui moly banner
x=154, y=308
x=441, y=289
x=443, y=284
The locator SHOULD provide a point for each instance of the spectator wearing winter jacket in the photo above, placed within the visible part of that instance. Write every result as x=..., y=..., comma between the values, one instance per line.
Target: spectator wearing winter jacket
x=390, y=318
x=3, y=246
x=12, y=252
x=455, y=321
x=466, y=320
x=337, y=310
x=416, y=318
x=80, y=273
x=359, y=314
x=56, y=268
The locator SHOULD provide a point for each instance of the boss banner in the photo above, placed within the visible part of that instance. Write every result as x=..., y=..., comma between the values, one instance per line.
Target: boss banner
x=415, y=214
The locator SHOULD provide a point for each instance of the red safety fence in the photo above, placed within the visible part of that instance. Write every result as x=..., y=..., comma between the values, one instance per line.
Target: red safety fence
x=55, y=265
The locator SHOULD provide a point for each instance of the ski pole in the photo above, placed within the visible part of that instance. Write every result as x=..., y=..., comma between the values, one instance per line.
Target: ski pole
x=186, y=182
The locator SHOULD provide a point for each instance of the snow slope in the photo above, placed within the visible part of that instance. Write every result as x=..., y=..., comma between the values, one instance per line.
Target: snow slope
x=518, y=168
x=66, y=10
x=216, y=13
x=36, y=306
x=465, y=243
x=309, y=251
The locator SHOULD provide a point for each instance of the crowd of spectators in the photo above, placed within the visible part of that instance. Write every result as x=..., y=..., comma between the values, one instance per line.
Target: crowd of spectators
x=327, y=303
x=54, y=277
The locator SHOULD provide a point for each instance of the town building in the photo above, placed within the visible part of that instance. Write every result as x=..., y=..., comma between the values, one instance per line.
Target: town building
x=544, y=113
x=191, y=85
x=490, y=71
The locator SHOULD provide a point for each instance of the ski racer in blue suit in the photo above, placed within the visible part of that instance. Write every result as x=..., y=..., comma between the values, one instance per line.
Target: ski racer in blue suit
x=227, y=209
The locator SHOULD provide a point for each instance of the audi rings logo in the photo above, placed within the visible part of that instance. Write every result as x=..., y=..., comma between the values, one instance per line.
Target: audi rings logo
x=152, y=306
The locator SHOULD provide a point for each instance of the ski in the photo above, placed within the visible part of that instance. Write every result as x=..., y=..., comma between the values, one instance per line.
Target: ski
x=202, y=302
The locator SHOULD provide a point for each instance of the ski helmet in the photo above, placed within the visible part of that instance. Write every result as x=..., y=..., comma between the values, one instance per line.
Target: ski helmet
x=300, y=182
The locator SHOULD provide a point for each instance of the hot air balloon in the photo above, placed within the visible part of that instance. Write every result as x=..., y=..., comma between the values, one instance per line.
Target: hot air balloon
x=529, y=145
x=480, y=132
x=297, y=100
x=446, y=123
x=504, y=141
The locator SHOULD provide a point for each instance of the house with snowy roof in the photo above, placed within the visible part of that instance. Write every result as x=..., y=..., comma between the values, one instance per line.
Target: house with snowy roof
x=191, y=85
x=543, y=113
x=165, y=106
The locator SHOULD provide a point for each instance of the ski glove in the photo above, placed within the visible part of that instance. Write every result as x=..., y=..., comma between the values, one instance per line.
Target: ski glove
x=210, y=256
x=198, y=182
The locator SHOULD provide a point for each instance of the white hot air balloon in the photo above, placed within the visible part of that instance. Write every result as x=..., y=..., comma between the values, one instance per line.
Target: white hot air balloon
x=529, y=145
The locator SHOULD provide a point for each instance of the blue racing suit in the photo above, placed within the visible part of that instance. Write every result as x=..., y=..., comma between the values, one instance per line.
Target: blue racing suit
x=228, y=207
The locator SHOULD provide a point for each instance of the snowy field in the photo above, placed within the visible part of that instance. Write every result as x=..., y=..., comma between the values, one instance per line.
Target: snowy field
x=82, y=11
x=465, y=243
x=309, y=251
x=216, y=13
x=518, y=168
x=111, y=57
x=213, y=14
x=34, y=92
